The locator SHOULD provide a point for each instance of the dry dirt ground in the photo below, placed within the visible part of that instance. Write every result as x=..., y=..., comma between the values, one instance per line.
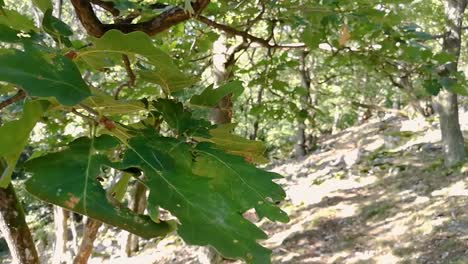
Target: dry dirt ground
x=375, y=193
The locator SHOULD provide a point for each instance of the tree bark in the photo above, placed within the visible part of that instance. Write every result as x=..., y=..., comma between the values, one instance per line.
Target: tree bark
x=86, y=247
x=256, y=124
x=446, y=103
x=14, y=228
x=61, y=235
x=74, y=243
x=300, y=148
x=130, y=241
x=413, y=99
x=222, y=113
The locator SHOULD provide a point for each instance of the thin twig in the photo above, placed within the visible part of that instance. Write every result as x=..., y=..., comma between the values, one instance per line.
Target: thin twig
x=131, y=77
x=262, y=42
x=89, y=109
x=128, y=68
x=85, y=117
x=18, y=96
x=118, y=89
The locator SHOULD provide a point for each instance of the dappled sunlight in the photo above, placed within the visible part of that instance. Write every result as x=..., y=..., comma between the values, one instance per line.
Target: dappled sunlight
x=456, y=189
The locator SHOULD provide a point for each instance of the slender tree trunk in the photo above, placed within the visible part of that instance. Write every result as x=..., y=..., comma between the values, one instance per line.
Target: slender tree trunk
x=86, y=247
x=74, y=243
x=61, y=234
x=336, y=119
x=256, y=124
x=222, y=113
x=59, y=9
x=130, y=241
x=15, y=230
x=413, y=100
x=446, y=103
x=300, y=148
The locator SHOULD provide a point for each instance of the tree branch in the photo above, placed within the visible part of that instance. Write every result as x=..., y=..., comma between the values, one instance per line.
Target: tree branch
x=108, y=6
x=262, y=42
x=157, y=24
x=18, y=96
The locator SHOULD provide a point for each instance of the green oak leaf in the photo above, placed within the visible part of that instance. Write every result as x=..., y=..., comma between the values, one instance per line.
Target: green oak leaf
x=69, y=179
x=210, y=96
x=223, y=138
x=107, y=105
x=207, y=216
x=9, y=35
x=14, y=136
x=56, y=28
x=43, y=5
x=136, y=44
x=242, y=182
x=180, y=119
x=14, y=20
x=52, y=77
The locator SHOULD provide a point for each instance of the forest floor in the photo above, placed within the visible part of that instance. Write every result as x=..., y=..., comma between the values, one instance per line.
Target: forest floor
x=374, y=193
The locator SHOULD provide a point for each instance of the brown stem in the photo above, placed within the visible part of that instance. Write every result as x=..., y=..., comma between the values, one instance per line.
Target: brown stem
x=131, y=77
x=18, y=96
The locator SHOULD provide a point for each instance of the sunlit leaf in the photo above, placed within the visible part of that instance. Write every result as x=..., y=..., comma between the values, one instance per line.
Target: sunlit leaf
x=17, y=21
x=116, y=43
x=43, y=5
x=14, y=136
x=223, y=138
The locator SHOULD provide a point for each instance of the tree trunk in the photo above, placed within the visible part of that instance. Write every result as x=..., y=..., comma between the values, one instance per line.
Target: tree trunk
x=300, y=148
x=15, y=230
x=256, y=124
x=61, y=235
x=86, y=247
x=74, y=243
x=130, y=241
x=222, y=113
x=446, y=103
x=413, y=100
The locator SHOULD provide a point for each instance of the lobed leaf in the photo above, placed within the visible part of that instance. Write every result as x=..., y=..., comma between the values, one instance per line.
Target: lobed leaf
x=69, y=179
x=56, y=77
x=115, y=43
x=210, y=96
x=207, y=214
